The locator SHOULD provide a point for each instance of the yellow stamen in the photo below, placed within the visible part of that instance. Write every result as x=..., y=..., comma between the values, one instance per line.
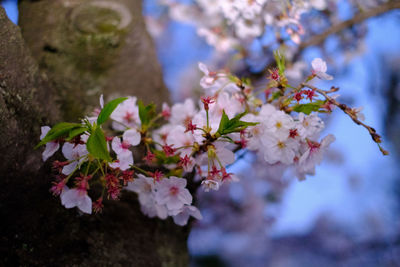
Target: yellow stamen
x=281, y=145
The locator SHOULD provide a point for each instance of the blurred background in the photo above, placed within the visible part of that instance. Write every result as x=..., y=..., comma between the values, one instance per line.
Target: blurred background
x=348, y=213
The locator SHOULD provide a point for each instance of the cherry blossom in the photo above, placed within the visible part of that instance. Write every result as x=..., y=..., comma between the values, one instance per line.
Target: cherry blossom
x=124, y=155
x=313, y=155
x=230, y=104
x=254, y=134
x=152, y=209
x=187, y=163
x=130, y=137
x=71, y=198
x=279, y=149
x=182, y=215
x=212, y=82
x=228, y=177
x=217, y=154
x=280, y=123
x=75, y=155
x=229, y=25
x=309, y=126
x=210, y=184
x=172, y=192
x=96, y=111
x=166, y=111
x=358, y=114
x=126, y=115
x=160, y=135
x=220, y=42
x=178, y=137
x=144, y=187
x=320, y=68
x=123, y=162
x=182, y=113
x=51, y=147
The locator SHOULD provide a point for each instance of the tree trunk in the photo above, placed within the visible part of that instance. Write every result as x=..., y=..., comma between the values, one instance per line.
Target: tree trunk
x=92, y=47
x=36, y=229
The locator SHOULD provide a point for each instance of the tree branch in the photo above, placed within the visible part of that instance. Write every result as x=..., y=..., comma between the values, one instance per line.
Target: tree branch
x=318, y=39
x=349, y=111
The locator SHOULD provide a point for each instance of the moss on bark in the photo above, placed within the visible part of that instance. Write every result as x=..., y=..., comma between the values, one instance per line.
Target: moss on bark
x=92, y=47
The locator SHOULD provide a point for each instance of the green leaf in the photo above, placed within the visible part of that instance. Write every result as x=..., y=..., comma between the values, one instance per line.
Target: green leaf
x=59, y=130
x=227, y=126
x=146, y=113
x=246, y=81
x=309, y=107
x=276, y=95
x=280, y=62
x=108, y=109
x=97, y=145
x=223, y=123
x=76, y=132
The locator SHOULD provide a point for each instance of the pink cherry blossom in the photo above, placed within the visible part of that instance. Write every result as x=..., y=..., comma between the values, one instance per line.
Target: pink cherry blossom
x=279, y=148
x=280, y=123
x=123, y=162
x=220, y=153
x=126, y=115
x=210, y=184
x=320, y=68
x=71, y=198
x=75, y=155
x=187, y=163
x=121, y=148
x=229, y=104
x=132, y=137
x=124, y=155
x=172, y=192
x=166, y=111
x=178, y=137
x=357, y=112
x=213, y=82
x=313, y=155
x=309, y=126
x=225, y=155
x=152, y=209
x=51, y=147
x=182, y=113
x=144, y=187
x=182, y=215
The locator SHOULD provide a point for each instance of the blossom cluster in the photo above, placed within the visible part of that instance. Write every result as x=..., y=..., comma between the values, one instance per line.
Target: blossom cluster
x=190, y=145
x=234, y=23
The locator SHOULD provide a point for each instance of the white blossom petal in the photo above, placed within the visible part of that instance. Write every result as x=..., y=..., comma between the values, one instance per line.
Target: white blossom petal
x=132, y=136
x=51, y=148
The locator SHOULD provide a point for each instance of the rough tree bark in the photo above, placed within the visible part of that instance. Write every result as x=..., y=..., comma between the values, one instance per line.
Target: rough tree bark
x=92, y=47
x=76, y=62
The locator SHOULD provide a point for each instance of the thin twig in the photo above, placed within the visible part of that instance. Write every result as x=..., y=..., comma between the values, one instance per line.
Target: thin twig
x=376, y=11
x=376, y=137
